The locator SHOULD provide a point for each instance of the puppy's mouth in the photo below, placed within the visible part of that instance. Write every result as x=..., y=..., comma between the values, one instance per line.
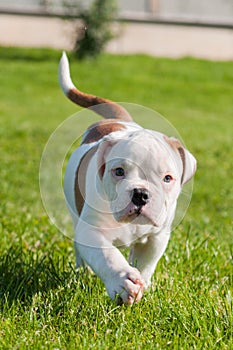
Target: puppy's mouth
x=139, y=214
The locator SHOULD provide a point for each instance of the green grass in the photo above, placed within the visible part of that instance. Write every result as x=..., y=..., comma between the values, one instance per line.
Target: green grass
x=45, y=303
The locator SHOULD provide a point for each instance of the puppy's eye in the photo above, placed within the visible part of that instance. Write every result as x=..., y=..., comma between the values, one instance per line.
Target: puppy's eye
x=119, y=172
x=167, y=178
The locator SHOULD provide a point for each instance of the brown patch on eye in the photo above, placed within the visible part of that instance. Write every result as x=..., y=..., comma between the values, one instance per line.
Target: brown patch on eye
x=182, y=156
x=100, y=129
x=174, y=143
x=177, y=146
x=80, y=179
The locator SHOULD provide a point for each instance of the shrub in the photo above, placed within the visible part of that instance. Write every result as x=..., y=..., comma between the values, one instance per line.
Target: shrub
x=95, y=30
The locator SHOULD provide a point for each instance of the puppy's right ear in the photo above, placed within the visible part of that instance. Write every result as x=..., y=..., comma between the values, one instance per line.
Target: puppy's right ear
x=103, y=150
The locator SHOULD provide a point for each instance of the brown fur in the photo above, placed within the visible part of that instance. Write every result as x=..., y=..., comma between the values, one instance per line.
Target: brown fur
x=80, y=179
x=94, y=133
x=177, y=146
x=102, y=106
x=98, y=130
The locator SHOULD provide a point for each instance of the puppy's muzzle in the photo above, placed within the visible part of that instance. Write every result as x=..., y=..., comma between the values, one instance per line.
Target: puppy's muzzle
x=140, y=197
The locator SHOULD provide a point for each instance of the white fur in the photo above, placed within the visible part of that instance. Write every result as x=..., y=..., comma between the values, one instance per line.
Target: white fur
x=105, y=223
x=64, y=74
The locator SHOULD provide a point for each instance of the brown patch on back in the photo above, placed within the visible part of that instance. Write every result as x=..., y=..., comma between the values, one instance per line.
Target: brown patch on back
x=100, y=129
x=177, y=146
x=80, y=179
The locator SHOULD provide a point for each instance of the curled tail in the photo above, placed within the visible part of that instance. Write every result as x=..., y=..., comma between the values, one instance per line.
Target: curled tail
x=106, y=108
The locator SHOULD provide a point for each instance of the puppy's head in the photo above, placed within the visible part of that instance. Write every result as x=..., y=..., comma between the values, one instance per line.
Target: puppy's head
x=142, y=175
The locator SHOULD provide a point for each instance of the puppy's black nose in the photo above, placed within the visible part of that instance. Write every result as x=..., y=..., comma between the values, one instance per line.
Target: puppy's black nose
x=140, y=197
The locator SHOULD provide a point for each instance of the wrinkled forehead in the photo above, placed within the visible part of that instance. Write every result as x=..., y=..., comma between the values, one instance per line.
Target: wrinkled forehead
x=141, y=145
x=144, y=150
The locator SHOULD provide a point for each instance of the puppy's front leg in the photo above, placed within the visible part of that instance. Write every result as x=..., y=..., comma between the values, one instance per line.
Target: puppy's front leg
x=145, y=256
x=121, y=280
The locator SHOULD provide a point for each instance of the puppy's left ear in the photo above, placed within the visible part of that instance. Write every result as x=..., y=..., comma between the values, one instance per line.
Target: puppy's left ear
x=188, y=160
x=189, y=165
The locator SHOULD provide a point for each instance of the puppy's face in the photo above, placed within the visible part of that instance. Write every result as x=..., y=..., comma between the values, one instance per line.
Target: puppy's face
x=142, y=176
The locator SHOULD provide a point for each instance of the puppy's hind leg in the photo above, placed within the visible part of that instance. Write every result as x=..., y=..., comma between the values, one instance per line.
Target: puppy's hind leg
x=79, y=261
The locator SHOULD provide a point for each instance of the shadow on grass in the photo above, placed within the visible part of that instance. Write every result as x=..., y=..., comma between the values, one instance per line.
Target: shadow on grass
x=24, y=273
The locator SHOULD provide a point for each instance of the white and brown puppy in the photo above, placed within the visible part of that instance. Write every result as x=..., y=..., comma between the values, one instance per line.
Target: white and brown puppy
x=121, y=186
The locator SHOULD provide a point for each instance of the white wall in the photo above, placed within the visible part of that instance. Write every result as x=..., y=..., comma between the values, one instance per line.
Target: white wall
x=157, y=40
x=197, y=10
x=205, y=10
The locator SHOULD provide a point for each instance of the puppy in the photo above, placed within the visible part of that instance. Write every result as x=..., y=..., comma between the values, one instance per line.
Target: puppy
x=121, y=187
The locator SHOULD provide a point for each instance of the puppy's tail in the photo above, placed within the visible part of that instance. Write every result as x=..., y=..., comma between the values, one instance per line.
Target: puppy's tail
x=102, y=106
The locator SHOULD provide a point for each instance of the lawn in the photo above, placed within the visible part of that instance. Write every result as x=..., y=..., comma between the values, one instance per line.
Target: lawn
x=45, y=303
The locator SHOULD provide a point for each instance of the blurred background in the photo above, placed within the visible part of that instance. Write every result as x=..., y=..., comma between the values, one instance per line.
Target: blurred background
x=197, y=28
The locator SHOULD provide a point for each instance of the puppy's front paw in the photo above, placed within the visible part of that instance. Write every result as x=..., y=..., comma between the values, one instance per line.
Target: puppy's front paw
x=127, y=288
